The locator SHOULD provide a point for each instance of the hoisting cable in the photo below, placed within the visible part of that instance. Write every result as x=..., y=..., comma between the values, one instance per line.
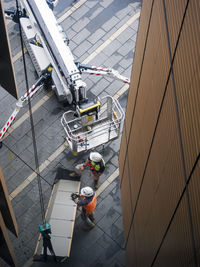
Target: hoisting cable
x=31, y=121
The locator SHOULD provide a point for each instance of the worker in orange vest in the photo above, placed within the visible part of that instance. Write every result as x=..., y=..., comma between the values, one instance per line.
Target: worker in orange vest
x=87, y=200
x=95, y=163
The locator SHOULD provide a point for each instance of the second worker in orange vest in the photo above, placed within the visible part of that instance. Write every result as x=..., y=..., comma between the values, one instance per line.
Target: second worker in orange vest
x=87, y=200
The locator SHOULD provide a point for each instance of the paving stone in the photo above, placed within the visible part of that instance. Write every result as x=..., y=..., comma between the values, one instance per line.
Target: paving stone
x=96, y=36
x=98, y=61
x=110, y=23
x=103, y=207
x=119, y=223
x=83, y=57
x=16, y=163
x=113, y=60
x=99, y=87
x=68, y=23
x=115, y=161
x=108, y=219
x=114, y=87
x=22, y=130
x=95, y=46
x=109, y=245
x=107, y=191
x=8, y=172
x=125, y=35
x=39, y=128
x=86, y=239
x=9, y=141
x=22, y=144
x=4, y=157
x=80, y=24
x=17, y=178
x=106, y=3
x=112, y=47
x=39, y=114
x=116, y=196
x=82, y=48
x=81, y=36
x=28, y=157
x=93, y=13
x=91, y=4
x=80, y=12
x=126, y=48
x=70, y=34
x=126, y=62
x=109, y=34
x=123, y=12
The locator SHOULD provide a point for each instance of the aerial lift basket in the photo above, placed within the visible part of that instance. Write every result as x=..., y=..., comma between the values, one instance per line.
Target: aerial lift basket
x=90, y=130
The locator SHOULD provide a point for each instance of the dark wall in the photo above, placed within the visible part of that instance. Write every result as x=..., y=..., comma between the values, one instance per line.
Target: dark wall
x=7, y=76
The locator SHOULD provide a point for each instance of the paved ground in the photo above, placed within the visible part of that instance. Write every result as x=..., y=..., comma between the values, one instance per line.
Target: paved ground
x=102, y=33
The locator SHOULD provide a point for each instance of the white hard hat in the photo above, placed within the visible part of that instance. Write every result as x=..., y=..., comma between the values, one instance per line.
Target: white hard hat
x=95, y=156
x=87, y=191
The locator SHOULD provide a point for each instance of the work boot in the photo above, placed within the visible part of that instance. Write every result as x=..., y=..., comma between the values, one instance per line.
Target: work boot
x=87, y=227
x=91, y=217
x=96, y=184
x=74, y=174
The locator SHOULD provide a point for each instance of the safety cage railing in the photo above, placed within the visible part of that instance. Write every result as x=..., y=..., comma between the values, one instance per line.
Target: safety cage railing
x=87, y=132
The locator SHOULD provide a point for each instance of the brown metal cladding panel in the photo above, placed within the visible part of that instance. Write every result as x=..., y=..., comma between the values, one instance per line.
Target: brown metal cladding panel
x=122, y=154
x=152, y=85
x=139, y=51
x=175, y=11
x=194, y=191
x=126, y=203
x=131, y=254
x=177, y=249
x=187, y=80
x=162, y=185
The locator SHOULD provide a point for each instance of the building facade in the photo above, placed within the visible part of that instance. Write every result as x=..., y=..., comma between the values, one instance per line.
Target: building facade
x=159, y=157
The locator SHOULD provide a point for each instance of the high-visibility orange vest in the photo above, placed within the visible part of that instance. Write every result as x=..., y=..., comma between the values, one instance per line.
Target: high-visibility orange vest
x=89, y=208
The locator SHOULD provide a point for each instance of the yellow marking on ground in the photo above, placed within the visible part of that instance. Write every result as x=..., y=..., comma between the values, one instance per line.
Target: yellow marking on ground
x=18, y=55
x=107, y=182
x=10, y=155
x=71, y=10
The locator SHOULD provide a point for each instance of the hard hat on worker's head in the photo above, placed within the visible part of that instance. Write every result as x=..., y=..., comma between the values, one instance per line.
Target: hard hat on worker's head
x=95, y=156
x=87, y=191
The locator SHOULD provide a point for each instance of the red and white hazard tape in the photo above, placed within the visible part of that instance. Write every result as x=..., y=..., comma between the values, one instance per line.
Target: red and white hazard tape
x=8, y=123
x=105, y=71
x=32, y=91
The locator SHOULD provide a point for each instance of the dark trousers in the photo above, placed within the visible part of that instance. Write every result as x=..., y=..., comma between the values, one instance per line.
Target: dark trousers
x=47, y=244
x=87, y=218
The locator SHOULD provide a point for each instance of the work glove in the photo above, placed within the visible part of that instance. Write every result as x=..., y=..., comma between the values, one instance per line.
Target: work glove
x=74, y=196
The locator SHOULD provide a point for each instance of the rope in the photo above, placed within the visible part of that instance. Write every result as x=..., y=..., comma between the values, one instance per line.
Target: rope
x=31, y=121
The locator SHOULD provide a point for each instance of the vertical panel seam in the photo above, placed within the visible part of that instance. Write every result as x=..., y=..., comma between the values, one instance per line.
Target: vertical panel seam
x=127, y=142
x=180, y=138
